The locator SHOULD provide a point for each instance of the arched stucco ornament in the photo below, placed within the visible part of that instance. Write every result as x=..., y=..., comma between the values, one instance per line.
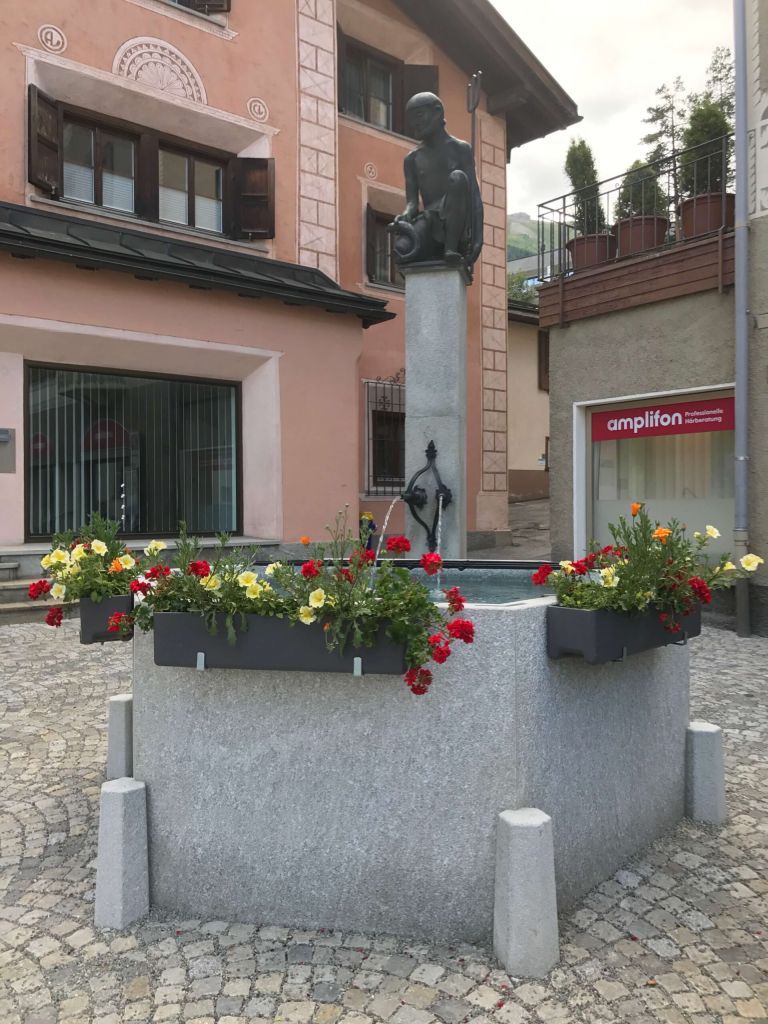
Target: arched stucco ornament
x=159, y=65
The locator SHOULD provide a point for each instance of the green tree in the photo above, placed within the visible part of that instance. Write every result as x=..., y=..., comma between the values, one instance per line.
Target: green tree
x=519, y=289
x=641, y=194
x=588, y=215
x=721, y=82
x=667, y=119
x=705, y=168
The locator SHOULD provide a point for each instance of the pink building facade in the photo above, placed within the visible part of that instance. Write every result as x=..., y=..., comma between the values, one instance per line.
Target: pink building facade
x=199, y=316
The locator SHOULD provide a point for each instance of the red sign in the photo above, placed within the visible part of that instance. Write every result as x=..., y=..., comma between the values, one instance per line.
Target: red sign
x=105, y=434
x=657, y=420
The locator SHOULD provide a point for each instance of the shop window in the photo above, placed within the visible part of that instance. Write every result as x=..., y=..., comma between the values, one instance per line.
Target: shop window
x=133, y=170
x=380, y=265
x=375, y=87
x=147, y=451
x=385, y=441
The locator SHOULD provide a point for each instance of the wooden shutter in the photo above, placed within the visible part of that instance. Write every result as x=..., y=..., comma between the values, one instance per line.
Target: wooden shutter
x=370, y=242
x=44, y=159
x=543, y=360
x=210, y=6
x=341, y=63
x=253, y=198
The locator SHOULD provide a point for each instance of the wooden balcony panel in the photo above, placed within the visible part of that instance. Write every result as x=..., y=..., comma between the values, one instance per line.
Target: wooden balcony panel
x=683, y=269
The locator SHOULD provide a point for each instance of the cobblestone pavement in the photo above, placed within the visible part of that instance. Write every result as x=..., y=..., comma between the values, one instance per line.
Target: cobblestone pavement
x=529, y=523
x=680, y=935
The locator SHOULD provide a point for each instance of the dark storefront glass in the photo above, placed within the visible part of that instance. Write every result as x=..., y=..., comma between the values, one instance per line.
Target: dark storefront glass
x=150, y=451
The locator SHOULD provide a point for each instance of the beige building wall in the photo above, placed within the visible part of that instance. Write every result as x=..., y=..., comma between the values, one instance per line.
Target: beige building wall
x=527, y=414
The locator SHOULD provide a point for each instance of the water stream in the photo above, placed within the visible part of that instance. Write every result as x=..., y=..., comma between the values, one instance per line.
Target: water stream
x=384, y=527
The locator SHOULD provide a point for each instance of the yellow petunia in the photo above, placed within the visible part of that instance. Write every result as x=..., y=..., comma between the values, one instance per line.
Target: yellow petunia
x=127, y=561
x=307, y=615
x=245, y=579
x=317, y=598
x=729, y=567
x=254, y=590
x=45, y=562
x=212, y=583
x=609, y=578
x=155, y=547
x=270, y=569
x=78, y=552
x=567, y=567
x=751, y=562
x=712, y=531
x=59, y=557
x=73, y=570
x=98, y=547
x=58, y=590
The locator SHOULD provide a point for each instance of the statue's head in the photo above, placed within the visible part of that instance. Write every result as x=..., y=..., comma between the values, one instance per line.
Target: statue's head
x=424, y=114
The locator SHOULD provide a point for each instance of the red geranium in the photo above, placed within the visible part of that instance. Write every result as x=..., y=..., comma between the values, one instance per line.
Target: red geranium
x=398, y=545
x=38, y=588
x=462, y=629
x=164, y=570
x=455, y=600
x=419, y=680
x=54, y=616
x=201, y=568
x=114, y=622
x=139, y=587
x=431, y=563
x=441, y=648
x=347, y=574
x=362, y=556
x=542, y=574
x=311, y=569
x=700, y=589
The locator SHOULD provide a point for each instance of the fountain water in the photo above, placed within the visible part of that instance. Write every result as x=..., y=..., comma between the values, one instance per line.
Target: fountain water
x=384, y=527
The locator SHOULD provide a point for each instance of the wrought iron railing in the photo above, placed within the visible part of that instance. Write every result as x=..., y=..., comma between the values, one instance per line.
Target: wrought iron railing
x=679, y=198
x=385, y=435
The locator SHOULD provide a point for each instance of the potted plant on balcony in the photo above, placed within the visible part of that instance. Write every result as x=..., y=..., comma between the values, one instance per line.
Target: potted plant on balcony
x=592, y=244
x=641, y=209
x=320, y=616
x=96, y=569
x=704, y=168
x=643, y=591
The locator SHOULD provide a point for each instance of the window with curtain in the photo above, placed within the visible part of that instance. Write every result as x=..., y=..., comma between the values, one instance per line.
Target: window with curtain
x=147, y=451
x=98, y=166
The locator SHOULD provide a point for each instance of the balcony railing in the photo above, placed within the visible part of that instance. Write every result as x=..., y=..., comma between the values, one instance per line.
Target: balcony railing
x=680, y=198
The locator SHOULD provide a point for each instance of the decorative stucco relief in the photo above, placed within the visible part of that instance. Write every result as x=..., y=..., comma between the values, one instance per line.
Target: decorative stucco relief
x=159, y=65
x=258, y=109
x=52, y=38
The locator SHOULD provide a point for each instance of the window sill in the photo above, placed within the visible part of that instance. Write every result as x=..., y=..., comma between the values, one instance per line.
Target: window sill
x=165, y=229
x=379, y=133
x=390, y=290
x=216, y=24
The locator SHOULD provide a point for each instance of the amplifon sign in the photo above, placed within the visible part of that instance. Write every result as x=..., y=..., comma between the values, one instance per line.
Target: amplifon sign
x=657, y=420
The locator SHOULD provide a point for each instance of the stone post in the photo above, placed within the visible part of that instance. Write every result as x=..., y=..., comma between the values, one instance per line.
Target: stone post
x=120, y=737
x=436, y=395
x=122, y=861
x=705, y=798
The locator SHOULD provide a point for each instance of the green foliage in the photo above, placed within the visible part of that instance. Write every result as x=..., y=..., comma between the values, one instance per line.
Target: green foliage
x=705, y=169
x=648, y=566
x=640, y=193
x=589, y=217
x=667, y=121
x=85, y=571
x=519, y=289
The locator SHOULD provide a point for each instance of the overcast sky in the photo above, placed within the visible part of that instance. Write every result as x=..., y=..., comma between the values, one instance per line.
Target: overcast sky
x=609, y=57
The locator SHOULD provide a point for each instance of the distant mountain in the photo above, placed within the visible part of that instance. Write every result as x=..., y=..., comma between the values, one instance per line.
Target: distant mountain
x=522, y=236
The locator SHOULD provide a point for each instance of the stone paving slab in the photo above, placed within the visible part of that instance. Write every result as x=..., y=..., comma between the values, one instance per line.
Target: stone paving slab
x=679, y=936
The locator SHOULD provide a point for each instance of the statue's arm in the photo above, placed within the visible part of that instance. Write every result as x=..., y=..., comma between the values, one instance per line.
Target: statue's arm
x=476, y=203
x=411, y=190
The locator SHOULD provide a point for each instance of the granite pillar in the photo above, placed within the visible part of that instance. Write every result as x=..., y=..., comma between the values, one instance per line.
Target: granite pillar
x=436, y=395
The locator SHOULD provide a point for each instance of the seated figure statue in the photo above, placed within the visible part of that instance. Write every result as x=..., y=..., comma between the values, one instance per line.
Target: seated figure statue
x=449, y=226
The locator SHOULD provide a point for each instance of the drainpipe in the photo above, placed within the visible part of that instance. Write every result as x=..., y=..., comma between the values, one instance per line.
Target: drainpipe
x=741, y=310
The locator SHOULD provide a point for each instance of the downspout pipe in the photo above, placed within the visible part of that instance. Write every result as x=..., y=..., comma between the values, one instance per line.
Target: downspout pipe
x=741, y=312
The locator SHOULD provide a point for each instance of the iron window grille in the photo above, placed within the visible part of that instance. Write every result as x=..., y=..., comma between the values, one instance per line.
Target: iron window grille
x=385, y=436
x=381, y=267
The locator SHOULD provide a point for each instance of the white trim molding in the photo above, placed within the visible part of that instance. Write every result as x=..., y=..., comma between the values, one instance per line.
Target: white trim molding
x=580, y=476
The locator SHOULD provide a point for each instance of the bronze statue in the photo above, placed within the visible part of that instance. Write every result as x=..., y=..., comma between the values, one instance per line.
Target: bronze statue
x=441, y=171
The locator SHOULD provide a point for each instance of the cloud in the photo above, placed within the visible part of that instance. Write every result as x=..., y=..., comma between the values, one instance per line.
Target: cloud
x=610, y=58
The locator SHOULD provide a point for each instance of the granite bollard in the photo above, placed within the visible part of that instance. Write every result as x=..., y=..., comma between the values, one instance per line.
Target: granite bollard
x=122, y=871
x=120, y=737
x=705, y=798
x=525, y=936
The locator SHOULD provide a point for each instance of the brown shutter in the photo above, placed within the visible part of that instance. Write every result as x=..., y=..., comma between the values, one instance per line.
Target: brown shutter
x=44, y=163
x=544, y=360
x=210, y=6
x=253, y=199
x=341, y=63
x=370, y=243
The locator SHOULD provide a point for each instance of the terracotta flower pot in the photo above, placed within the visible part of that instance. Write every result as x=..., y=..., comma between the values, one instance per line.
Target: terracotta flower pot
x=708, y=212
x=637, y=234
x=591, y=250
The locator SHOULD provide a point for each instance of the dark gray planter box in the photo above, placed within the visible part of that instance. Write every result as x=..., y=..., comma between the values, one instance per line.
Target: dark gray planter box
x=94, y=616
x=600, y=636
x=268, y=643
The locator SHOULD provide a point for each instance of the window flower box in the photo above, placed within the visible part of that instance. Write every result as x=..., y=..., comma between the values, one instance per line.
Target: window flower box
x=94, y=619
x=601, y=635
x=267, y=643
